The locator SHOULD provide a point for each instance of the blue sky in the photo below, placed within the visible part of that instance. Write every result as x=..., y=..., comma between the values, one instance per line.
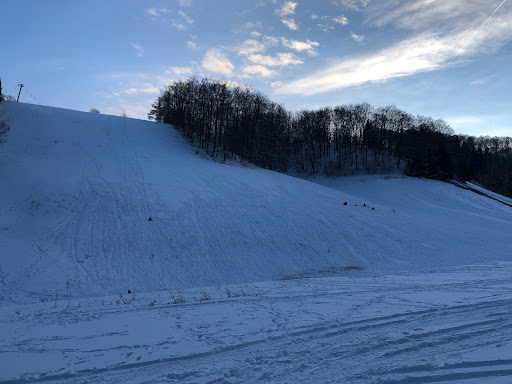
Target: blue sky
x=449, y=59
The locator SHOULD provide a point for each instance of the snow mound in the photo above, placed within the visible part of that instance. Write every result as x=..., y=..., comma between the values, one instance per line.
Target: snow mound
x=78, y=191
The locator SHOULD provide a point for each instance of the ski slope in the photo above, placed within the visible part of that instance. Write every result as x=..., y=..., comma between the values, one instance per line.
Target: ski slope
x=242, y=274
x=78, y=190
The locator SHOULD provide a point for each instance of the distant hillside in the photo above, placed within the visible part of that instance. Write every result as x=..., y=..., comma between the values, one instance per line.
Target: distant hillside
x=100, y=204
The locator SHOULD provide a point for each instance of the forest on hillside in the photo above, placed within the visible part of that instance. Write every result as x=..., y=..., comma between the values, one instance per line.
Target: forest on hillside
x=234, y=121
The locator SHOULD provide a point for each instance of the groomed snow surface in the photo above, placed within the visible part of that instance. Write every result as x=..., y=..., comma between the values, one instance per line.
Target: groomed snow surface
x=242, y=274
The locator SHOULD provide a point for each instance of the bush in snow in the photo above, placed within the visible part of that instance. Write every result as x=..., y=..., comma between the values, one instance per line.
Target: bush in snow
x=4, y=128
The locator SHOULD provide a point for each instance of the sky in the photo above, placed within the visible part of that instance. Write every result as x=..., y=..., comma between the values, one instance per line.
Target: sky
x=448, y=59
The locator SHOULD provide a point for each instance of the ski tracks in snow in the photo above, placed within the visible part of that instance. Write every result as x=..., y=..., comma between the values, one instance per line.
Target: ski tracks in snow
x=452, y=326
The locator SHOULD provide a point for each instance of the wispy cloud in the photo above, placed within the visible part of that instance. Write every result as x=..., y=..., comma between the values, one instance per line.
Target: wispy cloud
x=426, y=51
x=357, y=38
x=249, y=27
x=179, y=70
x=307, y=46
x=178, y=20
x=279, y=60
x=479, y=82
x=286, y=12
x=483, y=81
x=325, y=27
x=187, y=19
x=132, y=91
x=191, y=44
x=290, y=23
x=258, y=70
x=179, y=26
x=185, y=3
x=146, y=88
x=215, y=61
x=157, y=12
x=287, y=9
x=355, y=5
x=138, y=48
x=257, y=46
x=440, y=16
x=340, y=20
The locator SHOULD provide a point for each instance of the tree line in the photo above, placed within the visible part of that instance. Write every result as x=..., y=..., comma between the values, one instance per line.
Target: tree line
x=233, y=121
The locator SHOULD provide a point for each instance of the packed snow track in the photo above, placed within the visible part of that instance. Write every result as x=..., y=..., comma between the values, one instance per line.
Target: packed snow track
x=450, y=326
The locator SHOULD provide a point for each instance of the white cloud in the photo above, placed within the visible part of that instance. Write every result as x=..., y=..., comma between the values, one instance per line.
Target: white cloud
x=251, y=46
x=178, y=26
x=253, y=24
x=314, y=16
x=290, y=23
x=132, y=91
x=187, y=19
x=255, y=46
x=340, y=20
x=423, y=52
x=280, y=60
x=179, y=70
x=215, y=61
x=191, y=44
x=138, y=48
x=355, y=5
x=258, y=70
x=325, y=27
x=185, y=3
x=357, y=38
x=483, y=81
x=146, y=88
x=439, y=15
x=307, y=46
x=287, y=9
x=166, y=14
x=157, y=12
x=276, y=84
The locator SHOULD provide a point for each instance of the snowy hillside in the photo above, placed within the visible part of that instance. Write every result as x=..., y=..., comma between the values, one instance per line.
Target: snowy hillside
x=242, y=274
x=78, y=189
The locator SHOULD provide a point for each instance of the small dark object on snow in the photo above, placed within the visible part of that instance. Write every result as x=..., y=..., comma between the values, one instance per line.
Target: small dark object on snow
x=345, y=203
x=356, y=205
x=150, y=219
x=129, y=291
x=364, y=204
x=373, y=209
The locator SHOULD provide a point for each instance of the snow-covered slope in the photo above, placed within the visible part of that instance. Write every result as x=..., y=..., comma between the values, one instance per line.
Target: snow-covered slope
x=77, y=190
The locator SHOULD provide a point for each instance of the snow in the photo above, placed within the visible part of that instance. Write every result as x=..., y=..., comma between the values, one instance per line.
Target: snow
x=408, y=282
x=408, y=328
x=506, y=200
